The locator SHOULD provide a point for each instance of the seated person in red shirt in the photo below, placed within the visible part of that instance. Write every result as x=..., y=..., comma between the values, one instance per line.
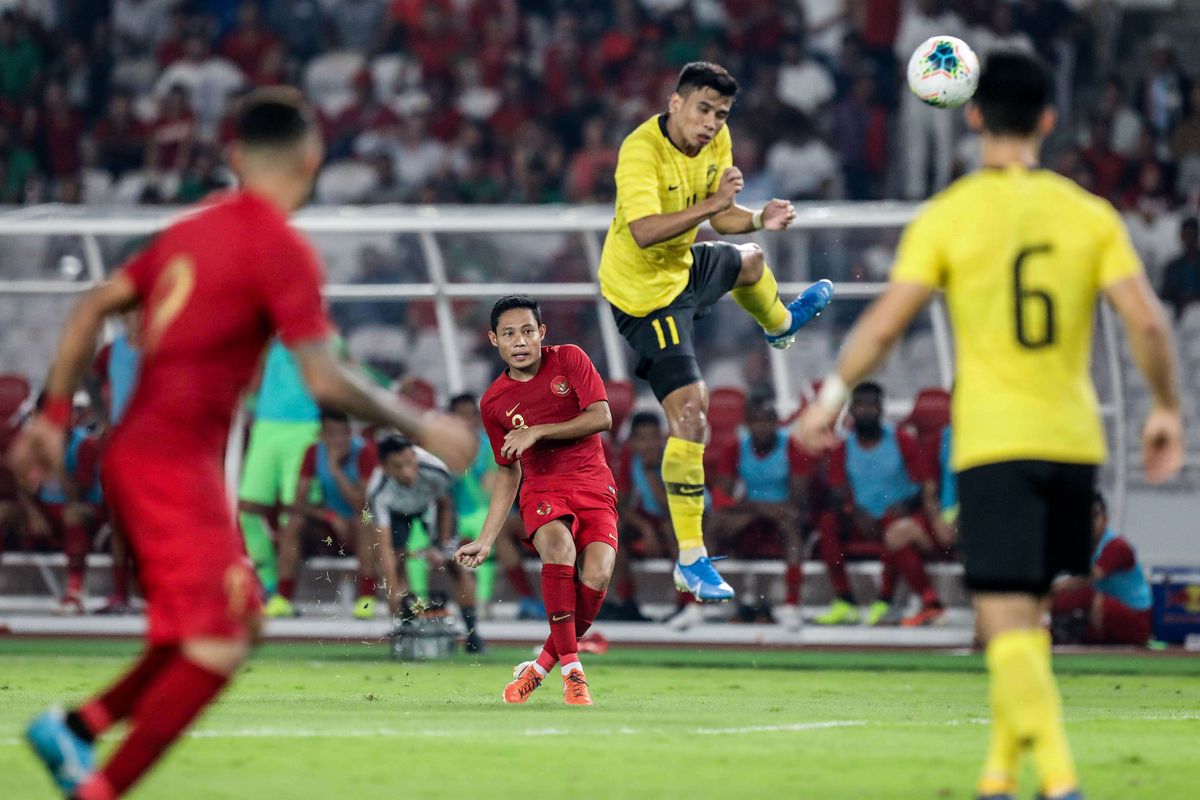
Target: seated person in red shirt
x=875, y=476
x=1112, y=605
x=645, y=525
x=68, y=508
x=767, y=473
x=330, y=497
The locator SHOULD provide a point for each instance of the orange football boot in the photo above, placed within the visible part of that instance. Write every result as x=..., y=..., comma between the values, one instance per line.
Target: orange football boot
x=575, y=689
x=929, y=615
x=525, y=680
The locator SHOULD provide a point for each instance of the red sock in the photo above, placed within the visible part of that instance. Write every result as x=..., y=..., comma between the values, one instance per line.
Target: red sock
x=791, y=579
x=103, y=711
x=366, y=585
x=120, y=579
x=830, y=547
x=287, y=588
x=519, y=581
x=558, y=593
x=625, y=589
x=76, y=546
x=587, y=605
x=167, y=707
x=911, y=566
x=887, y=578
x=684, y=599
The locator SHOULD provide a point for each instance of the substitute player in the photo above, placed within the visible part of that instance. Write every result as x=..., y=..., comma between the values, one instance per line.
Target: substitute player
x=544, y=416
x=674, y=172
x=1022, y=255
x=213, y=288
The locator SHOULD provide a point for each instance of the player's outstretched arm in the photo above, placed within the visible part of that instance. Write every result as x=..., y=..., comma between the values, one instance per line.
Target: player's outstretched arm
x=1153, y=350
x=655, y=228
x=872, y=338
x=776, y=215
x=334, y=384
x=508, y=479
x=596, y=418
x=38, y=451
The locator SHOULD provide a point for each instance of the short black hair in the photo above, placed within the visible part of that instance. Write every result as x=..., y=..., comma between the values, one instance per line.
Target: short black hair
x=868, y=387
x=701, y=74
x=462, y=397
x=1014, y=89
x=645, y=418
x=1190, y=224
x=511, y=301
x=393, y=444
x=276, y=116
x=334, y=415
x=1098, y=500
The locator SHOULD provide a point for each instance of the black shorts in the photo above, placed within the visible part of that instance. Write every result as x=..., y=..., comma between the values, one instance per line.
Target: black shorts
x=1021, y=523
x=663, y=338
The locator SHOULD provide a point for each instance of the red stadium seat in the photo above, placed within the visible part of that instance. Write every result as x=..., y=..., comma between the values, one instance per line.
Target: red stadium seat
x=929, y=416
x=419, y=391
x=726, y=411
x=621, y=398
x=14, y=390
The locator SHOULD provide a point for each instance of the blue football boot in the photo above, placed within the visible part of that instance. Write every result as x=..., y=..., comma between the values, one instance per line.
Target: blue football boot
x=805, y=308
x=68, y=757
x=702, y=581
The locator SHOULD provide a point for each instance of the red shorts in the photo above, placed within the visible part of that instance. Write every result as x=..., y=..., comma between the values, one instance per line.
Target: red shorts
x=1121, y=624
x=192, y=566
x=591, y=514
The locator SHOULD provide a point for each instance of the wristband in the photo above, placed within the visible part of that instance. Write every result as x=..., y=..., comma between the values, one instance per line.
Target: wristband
x=756, y=220
x=57, y=411
x=833, y=392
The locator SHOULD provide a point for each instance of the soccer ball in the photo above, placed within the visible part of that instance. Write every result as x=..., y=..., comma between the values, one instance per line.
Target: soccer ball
x=943, y=72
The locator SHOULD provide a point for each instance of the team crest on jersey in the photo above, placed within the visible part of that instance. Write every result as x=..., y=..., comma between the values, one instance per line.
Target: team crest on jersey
x=560, y=386
x=543, y=509
x=712, y=174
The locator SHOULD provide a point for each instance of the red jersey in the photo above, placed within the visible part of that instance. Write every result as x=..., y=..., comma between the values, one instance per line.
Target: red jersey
x=214, y=287
x=566, y=383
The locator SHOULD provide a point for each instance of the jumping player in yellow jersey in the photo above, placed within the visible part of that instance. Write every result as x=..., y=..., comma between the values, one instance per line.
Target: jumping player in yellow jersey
x=1022, y=255
x=674, y=172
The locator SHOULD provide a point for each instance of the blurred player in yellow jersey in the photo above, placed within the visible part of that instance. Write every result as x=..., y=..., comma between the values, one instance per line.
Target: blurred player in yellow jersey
x=1022, y=255
x=674, y=172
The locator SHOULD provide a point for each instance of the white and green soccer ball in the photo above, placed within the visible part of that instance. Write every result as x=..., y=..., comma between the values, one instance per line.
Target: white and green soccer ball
x=943, y=72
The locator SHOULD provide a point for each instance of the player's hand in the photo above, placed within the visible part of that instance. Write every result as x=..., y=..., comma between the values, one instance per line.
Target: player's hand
x=731, y=183
x=1162, y=445
x=778, y=214
x=338, y=451
x=518, y=441
x=945, y=532
x=37, y=452
x=814, y=429
x=472, y=554
x=449, y=438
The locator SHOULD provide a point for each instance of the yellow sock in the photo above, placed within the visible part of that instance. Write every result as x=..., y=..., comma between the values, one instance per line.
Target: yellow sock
x=683, y=477
x=1028, y=699
x=761, y=300
x=999, y=775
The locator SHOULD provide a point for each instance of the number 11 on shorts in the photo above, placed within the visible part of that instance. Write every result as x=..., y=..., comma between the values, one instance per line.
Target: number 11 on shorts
x=658, y=329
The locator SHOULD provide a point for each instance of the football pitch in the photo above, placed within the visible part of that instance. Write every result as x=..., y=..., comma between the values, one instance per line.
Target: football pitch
x=339, y=721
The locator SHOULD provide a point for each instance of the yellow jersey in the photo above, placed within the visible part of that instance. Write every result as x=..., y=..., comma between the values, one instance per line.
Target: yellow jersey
x=655, y=177
x=1022, y=256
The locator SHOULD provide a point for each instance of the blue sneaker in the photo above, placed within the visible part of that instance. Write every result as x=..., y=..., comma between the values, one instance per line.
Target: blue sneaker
x=703, y=581
x=1075, y=795
x=68, y=758
x=805, y=308
x=530, y=608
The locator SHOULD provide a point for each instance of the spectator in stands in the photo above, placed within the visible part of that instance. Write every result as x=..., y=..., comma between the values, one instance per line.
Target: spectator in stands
x=417, y=157
x=1181, y=278
x=20, y=59
x=1125, y=125
x=171, y=39
x=1163, y=93
x=18, y=166
x=924, y=135
x=59, y=130
x=860, y=136
x=804, y=83
x=767, y=474
x=1107, y=166
x=590, y=174
x=645, y=526
x=120, y=137
x=300, y=23
x=204, y=175
x=358, y=24
x=249, y=42
x=172, y=134
x=84, y=78
x=208, y=79
x=801, y=165
x=330, y=497
x=1000, y=33
x=363, y=126
x=875, y=478
x=1112, y=605
x=138, y=23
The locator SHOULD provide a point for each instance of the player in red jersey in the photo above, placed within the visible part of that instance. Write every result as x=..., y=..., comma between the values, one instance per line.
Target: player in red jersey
x=213, y=288
x=544, y=416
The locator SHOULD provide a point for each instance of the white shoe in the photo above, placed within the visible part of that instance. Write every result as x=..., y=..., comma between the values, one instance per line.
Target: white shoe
x=686, y=617
x=790, y=617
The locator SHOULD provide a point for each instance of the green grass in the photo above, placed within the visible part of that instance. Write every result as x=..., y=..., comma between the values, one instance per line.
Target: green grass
x=342, y=721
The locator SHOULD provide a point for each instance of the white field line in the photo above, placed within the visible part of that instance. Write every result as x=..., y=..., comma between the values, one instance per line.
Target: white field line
x=396, y=733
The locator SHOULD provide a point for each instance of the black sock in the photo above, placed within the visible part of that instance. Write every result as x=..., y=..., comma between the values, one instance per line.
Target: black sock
x=77, y=726
x=468, y=614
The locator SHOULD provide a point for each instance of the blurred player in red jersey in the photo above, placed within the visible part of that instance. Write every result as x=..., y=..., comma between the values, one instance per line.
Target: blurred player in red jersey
x=213, y=288
x=544, y=416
